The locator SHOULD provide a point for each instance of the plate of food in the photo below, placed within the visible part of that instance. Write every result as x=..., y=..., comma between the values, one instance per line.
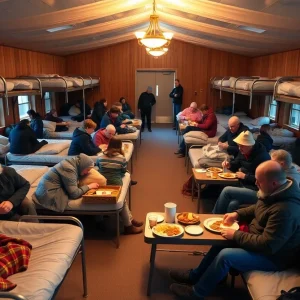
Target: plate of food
x=168, y=230
x=227, y=175
x=188, y=218
x=216, y=225
x=214, y=169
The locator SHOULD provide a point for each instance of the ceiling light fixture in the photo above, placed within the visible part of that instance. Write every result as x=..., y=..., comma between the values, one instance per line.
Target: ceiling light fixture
x=66, y=27
x=154, y=39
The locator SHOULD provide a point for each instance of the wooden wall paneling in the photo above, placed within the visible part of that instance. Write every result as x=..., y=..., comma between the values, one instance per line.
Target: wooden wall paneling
x=291, y=62
x=9, y=62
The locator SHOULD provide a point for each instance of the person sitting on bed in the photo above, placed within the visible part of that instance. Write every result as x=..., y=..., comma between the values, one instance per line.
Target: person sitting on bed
x=100, y=108
x=60, y=124
x=191, y=113
x=208, y=124
x=82, y=140
x=113, y=166
x=60, y=184
x=123, y=117
x=36, y=123
x=84, y=107
x=23, y=139
x=111, y=117
x=13, y=190
x=264, y=137
x=226, y=141
x=103, y=136
x=126, y=108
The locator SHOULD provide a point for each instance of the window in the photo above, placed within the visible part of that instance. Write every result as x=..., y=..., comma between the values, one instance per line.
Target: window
x=24, y=106
x=295, y=116
x=48, y=102
x=273, y=110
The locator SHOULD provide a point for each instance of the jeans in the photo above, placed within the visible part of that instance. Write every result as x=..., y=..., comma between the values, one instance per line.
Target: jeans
x=126, y=215
x=187, y=129
x=176, y=111
x=232, y=197
x=146, y=114
x=217, y=262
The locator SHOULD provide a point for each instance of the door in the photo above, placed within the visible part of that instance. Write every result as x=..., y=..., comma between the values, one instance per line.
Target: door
x=162, y=82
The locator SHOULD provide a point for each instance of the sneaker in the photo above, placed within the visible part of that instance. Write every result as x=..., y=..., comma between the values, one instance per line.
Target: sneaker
x=184, y=291
x=132, y=230
x=132, y=182
x=142, y=130
x=181, y=155
x=149, y=130
x=136, y=223
x=174, y=128
x=181, y=276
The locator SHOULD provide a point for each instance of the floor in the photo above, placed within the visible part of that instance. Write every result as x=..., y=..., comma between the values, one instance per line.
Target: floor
x=123, y=273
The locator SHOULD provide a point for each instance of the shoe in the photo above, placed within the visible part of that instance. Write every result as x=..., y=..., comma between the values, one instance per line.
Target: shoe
x=132, y=182
x=142, y=130
x=181, y=155
x=174, y=128
x=132, y=230
x=149, y=130
x=178, y=152
x=181, y=276
x=136, y=223
x=183, y=291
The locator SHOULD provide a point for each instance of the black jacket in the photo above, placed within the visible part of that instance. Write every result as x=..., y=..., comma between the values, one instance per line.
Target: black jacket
x=146, y=101
x=248, y=166
x=37, y=126
x=50, y=117
x=179, y=93
x=13, y=188
x=228, y=137
x=296, y=152
x=266, y=140
x=82, y=143
x=23, y=140
x=98, y=113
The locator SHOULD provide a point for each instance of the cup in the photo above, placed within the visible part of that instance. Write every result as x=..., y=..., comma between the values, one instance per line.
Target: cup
x=208, y=174
x=170, y=212
x=152, y=220
x=214, y=175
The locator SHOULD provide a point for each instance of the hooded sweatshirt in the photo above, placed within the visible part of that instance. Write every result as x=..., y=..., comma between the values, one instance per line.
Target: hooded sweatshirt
x=274, y=228
x=100, y=138
x=60, y=184
x=293, y=174
x=82, y=143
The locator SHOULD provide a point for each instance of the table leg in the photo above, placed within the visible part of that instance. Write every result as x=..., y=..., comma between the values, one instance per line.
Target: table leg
x=199, y=198
x=152, y=262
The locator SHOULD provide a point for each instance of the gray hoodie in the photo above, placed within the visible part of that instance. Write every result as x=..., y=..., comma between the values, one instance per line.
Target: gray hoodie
x=60, y=184
x=294, y=174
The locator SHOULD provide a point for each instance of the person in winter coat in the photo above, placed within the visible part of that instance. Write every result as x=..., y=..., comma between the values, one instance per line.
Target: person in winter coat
x=103, y=136
x=146, y=101
x=13, y=190
x=296, y=152
x=100, y=108
x=23, y=139
x=60, y=184
x=226, y=143
x=82, y=140
x=126, y=108
x=271, y=245
x=36, y=123
x=112, y=117
x=176, y=94
x=60, y=124
x=208, y=125
x=264, y=137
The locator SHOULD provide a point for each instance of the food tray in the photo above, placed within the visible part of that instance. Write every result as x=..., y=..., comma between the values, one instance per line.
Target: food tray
x=105, y=199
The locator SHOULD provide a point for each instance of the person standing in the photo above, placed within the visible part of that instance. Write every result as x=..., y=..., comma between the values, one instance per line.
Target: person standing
x=146, y=101
x=176, y=95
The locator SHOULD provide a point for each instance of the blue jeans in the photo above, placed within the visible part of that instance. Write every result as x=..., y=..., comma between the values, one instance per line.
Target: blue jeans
x=217, y=262
x=232, y=197
x=187, y=129
x=176, y=111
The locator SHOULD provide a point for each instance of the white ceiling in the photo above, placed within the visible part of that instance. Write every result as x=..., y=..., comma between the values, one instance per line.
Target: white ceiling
x=98, y=23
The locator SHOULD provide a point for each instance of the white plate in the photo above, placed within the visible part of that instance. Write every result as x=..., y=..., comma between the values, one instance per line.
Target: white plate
x=162, y=234
x=222, y=175
x=200, y=170
x=210, y=221
x=193, y=229
x=160, y=218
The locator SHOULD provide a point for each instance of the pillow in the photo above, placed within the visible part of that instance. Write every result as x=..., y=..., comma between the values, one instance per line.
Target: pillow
x=197, y=135
x=49, y=125
x=74, y=111
x=240, y=113
x=4, y=148
x=260, y=121
x=53, y=148
x=93, y=176
x=3, y=140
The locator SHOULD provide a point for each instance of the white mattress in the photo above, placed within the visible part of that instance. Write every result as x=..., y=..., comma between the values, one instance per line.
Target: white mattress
x=225, y=83
x=9, y=86
x=195, y=154
x=259, y=86
x=283, y=142
x=21, y=84
x=71, y=122
x=54, y=246
x=88, y=81
x=64, y=135
x=56, y=82
x=128, y=136
x=78, y=204
x=289, y=88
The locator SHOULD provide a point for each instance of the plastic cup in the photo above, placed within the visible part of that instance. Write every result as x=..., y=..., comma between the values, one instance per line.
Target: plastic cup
x=208, y=174
x=214, y=175
x=170, y=212
x=152, y=220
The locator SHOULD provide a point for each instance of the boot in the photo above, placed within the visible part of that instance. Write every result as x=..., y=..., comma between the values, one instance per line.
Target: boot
x=132, y=230
x=136, y=223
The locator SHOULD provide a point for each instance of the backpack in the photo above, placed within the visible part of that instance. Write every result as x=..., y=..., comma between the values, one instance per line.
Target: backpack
x=292, y=294
x=187, y=187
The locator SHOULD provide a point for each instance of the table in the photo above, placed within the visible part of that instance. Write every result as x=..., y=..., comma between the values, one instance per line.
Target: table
x=206, y=238
x=201, y=178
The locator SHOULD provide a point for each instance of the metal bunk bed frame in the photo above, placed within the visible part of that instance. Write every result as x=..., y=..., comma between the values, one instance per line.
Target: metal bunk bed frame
x=285, y=98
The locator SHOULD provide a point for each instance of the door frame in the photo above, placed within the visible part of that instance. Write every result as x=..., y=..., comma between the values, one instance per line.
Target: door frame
x=149, y=70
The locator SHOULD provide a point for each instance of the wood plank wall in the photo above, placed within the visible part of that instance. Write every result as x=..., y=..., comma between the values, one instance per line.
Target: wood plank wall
x=116, y=66
x=16, y=62
x=279, y=64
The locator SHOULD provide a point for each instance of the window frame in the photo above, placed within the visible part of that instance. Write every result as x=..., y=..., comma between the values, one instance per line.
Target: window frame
x=50, y=101
x=276, y=109
x=29, y=106
x=297, y=127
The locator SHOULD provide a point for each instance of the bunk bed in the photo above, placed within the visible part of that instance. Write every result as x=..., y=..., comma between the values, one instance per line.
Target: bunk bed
x=287, y=89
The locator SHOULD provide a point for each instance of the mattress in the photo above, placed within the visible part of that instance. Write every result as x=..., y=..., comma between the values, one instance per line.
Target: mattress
x=283, y=142
x=223, y=120
x=71, y=122
x=9, y=86
x=225, y=83
x=198, y=160
x=55, y=83
x=289, y=88
x=259, y=86
x=54, y=246
x=88, y=81
x=128, y=136
x=64, y=135
x=78, y=204
x=21, y=84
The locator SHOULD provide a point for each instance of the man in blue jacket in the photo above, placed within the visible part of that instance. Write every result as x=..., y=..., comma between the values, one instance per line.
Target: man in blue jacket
x=176, y=95
x=36, y=123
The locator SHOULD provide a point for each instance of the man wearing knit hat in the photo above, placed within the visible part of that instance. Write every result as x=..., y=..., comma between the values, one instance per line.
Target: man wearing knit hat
x=146, y=101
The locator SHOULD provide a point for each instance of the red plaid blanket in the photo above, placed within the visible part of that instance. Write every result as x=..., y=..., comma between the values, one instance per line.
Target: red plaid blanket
x=14, y=258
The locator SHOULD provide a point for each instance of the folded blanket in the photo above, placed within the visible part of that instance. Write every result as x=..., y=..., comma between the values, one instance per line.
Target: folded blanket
x=53, y=148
